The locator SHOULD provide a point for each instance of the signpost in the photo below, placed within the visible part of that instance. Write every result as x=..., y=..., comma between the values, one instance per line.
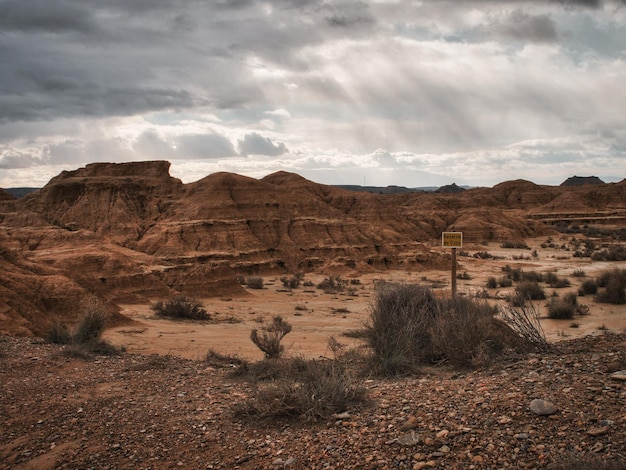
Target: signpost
x=452, y=240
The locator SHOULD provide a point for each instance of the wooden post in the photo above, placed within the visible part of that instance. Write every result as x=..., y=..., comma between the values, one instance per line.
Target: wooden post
x=453, y=272
x=452, y=240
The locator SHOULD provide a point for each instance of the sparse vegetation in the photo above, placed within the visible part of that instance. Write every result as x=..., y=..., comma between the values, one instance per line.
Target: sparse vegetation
x=86, y=339
x=524, y=320
x=254, y=282
x=409, y=326
x=530, y=291
x=332, y=284
x=515, y=245
x=492, y=283
x=611, y=253
x=588, y=287
x=292, y=282
x=613, y=283
x=309, y=390
x=269, y=340
x=180, y=308
x=59, y=333
x=561, y=309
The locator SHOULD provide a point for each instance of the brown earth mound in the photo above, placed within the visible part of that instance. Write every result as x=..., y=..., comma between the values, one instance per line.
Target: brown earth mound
x=132, y=233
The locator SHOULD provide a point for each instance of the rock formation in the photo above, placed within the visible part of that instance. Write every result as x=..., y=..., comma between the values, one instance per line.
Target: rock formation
x=132, y=233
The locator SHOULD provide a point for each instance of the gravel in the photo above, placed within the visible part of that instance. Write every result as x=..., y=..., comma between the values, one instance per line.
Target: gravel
x=158, y=412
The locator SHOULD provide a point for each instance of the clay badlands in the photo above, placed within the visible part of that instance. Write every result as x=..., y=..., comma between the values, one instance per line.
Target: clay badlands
x=130, y=234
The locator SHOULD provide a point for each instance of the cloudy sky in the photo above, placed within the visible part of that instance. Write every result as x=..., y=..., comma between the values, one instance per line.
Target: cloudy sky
x=405, y=92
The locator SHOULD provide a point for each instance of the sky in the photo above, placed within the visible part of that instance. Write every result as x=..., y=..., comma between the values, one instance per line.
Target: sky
x=370, y=92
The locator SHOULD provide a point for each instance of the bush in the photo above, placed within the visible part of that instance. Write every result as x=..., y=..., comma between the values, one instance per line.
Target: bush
x=524, y=320
x=306, y=389
x=86, y=338
x=589, y=287
x=513, y=273
x=561, y=309
x=614, y=283
x=254, y=282
x=465, y=332
x=397, y=330
x=492, y=283
x=59, y=334
x=180, y=307
x=271, y=336
x=515, y=244
x=556, y=282
x=292, y=282
x=530, y=291
x=612, y=253
x=532, y=276
x=91, y=327
x=505, y=281
x=332, y=284
x=579, y=273
x=409, y=326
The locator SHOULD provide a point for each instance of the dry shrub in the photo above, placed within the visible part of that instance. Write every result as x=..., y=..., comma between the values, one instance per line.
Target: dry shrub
x=87, y=337
x=524, y=320
x=466, y=333
x=561, y=309
x=409, y=326
x=254, y=282
x=181, y=308
x=614, y=283
x=589, y=287
x=332, y=284
x=271, y=336
x=222, y=361
x=59, y=334
x=91, y=327
x=309, y=390
x=530, y=291
x=397, y=329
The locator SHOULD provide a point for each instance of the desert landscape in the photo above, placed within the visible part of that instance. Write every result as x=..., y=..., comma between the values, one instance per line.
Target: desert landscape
x=126, y=236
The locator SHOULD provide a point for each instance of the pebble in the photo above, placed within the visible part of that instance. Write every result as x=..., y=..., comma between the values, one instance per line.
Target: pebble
x=410, y=423
x=410, y=439
x=542, y=407
x=620, y=375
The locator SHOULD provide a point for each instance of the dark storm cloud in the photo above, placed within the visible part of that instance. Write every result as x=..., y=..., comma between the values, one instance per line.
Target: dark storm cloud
x=520, y=25
x=255, y=144
x=116, y=58
x=45, y=15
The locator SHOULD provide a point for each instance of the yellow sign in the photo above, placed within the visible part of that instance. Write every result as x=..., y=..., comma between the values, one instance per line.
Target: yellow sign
x=452, y=239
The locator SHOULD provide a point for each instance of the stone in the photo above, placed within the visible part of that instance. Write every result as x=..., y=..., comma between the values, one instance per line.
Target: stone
x=409, y=424
x=542, y=407
x=410, y=439
x=598, y=431
x=620, y=376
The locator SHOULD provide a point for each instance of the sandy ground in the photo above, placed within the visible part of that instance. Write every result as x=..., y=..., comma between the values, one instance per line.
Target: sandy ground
x=316, y=316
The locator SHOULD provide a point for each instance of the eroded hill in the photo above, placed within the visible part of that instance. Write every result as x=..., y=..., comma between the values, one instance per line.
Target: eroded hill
x=130, y=233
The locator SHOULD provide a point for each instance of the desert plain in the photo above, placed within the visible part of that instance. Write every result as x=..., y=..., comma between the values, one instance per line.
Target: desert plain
x=317, y=315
